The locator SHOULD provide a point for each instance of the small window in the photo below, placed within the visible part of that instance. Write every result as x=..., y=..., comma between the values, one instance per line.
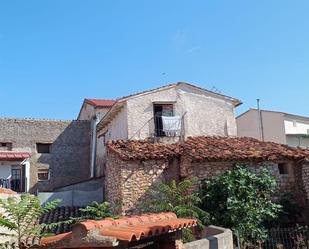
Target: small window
x=294, y=123
x=5, y=146
x=283, y=168
x=43, y=174
x=43, y=148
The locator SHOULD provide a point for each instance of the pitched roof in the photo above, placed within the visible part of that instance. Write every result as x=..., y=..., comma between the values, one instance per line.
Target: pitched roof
x=109, y=232
x=120, y=101
x=239, y=149
x=234, y=100
x=208, y=148
x=137, y=149
x=10, y=155
x=60, y=214
x=100, y=102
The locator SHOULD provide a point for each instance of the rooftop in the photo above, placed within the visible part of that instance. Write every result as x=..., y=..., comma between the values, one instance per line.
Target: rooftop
x=100, y=102
x=11, y=155
x=208, y=148
x=112, y=232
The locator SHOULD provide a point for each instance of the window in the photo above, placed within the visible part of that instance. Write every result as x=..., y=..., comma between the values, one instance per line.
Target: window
x=43, y=174
x=283, y=168
x=43, y=148
x=5, y=146
x=294, y=123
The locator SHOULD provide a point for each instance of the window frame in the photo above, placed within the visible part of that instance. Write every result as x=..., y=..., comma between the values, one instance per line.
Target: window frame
x=41, y=171
x=43, y=144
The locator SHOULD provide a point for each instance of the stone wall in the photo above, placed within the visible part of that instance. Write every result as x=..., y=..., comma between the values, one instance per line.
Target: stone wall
x=127, y=182
x=69, y=158
x=206, y=170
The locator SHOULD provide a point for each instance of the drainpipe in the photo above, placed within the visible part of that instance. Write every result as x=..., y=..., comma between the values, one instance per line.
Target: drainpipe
x=93, y=145
x=260, y=120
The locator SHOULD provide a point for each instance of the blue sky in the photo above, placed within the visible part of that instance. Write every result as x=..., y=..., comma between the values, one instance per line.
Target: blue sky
x=54, y=53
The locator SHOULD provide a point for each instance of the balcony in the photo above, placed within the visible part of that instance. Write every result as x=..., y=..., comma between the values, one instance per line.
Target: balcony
x=168, y=126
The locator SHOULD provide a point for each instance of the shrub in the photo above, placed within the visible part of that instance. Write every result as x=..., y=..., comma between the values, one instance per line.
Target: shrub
x=241, y=200
x=177, y=198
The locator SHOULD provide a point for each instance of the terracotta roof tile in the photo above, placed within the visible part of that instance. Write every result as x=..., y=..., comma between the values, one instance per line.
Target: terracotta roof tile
x=208, y=148
x=92, y=233
x=10, y=155
x=7, y=191
x=239, y=149
x=101, y=102
x=137, y=149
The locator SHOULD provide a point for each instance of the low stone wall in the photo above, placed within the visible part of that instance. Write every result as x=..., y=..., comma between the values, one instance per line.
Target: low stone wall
x=215, y=238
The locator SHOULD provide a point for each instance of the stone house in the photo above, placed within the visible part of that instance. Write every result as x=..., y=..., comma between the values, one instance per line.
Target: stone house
x=273, y=126
x=135, y=166
x=40, y=155
x=168, y=114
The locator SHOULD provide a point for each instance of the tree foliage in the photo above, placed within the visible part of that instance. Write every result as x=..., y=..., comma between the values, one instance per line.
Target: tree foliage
x=21, y=218
x=177, y=198
x=94, y=211
x=241, y=200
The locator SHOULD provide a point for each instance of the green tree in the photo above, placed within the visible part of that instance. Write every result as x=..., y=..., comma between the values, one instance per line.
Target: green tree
x=177, y=198
x=94, y=211
x=241, y=200
x=21, y=218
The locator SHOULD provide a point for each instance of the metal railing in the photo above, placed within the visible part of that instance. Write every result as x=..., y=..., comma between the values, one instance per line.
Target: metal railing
x=159, y=130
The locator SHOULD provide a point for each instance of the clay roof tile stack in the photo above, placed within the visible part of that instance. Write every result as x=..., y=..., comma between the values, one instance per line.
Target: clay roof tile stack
x=208, y=148
x=108, y=231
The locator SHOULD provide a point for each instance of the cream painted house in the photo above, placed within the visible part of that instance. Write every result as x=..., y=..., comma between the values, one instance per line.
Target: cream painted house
x=168, y=114
x=273, y=126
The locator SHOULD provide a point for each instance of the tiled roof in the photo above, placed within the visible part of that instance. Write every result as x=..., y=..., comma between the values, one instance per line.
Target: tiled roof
x=239, y=149
x=109, y=232
x=101, y=102
x=60, y=214
x=137, y=149
x=9, y=155
x=7, y=191
x=209, y=148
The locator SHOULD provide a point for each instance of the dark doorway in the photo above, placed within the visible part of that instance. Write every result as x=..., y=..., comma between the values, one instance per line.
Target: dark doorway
x=160, y=110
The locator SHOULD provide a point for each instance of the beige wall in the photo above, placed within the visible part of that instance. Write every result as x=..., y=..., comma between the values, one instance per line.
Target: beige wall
x=273, y=126
x=205, y=113
x=116, y=129
x=88, y=111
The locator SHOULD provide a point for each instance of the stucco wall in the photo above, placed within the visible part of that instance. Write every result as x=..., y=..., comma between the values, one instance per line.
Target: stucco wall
x=116, y=129
x=69, y=158
x=248, y=125
x=204, y=113
x=88, y=111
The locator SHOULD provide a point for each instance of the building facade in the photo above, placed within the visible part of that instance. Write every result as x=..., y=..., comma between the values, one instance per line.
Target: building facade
x=40, y=155
x=167, y=114
x=272, y=126
x=134, y=167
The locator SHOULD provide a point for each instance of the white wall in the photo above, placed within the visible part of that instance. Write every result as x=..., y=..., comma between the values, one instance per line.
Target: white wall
x=205, y=113
x=296, y=127
x=5, y=171
x=88, y=111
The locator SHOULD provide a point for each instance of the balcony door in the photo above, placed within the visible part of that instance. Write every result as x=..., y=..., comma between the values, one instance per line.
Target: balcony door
x=18, y=180
x=160, y=110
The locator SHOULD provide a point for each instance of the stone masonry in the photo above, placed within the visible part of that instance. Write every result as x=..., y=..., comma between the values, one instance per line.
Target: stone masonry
x=126, y=182
x=68, y=160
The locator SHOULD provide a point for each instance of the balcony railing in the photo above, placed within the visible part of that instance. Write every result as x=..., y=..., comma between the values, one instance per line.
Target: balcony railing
x=17, y=185
x=168, y=126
